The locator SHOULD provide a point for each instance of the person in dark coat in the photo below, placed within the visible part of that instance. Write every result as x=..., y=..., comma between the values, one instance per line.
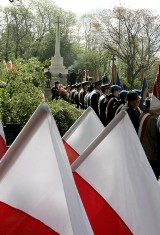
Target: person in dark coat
x=87, y=96
x=102, y=102
x=54, y=90
x=121, y=102
x=71, y=94
x=112, y=100
x=76, y=95
x=149, y=137
x=132, y=108
x=82, y=93
x=73, y=77
x=105, y=79
x=79, y=76
x=94, y=97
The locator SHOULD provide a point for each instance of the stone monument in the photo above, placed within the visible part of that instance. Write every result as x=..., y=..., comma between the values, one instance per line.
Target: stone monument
x=57, y=68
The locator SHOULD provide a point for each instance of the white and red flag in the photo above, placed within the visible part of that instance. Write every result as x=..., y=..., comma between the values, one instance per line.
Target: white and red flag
x=116, y=183
x=3, y=146
x=155, y=101
x=10, y=65
x=87, y=127
x=37, y=191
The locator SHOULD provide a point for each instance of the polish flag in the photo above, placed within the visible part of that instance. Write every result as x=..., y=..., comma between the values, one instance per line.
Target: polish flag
x=3, y=147
x=116, y=183
x=38, y=194
x=87, y=127
x=155, y=101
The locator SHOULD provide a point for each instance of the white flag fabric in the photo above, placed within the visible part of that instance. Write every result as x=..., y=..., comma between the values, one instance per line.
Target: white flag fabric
x=116, y=183
x=82, y=133
x=37, y=191
x=3, y=147
x=155, y=103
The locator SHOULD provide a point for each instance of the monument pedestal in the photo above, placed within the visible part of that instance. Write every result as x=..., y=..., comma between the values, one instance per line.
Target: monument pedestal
x=57, y=67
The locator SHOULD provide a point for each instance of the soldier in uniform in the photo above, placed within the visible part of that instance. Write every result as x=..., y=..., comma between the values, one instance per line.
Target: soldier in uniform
x=76, y=95
x=149, y=136
x=131, y=107
x=105, y=79
x=73, y=77
x=48, y=78
x=68, y=77
x=82, y=93
x=94, y=97
x=122, y=101
x=72, y=91
x=102, y=102
x=87, y=96
x=54, y=90
x=112, y=99
x=79, y=76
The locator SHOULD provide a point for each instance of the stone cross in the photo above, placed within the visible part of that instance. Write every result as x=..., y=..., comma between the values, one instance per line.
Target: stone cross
x=57, y=44
x=113, y=58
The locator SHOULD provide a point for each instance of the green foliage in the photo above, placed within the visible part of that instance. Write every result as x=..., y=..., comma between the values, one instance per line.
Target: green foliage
x=137, y=83
x=64, y=114
x=22, y=93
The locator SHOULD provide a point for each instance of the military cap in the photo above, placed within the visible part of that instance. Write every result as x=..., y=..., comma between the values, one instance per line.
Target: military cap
x=132, y=95
x=78, y=84
x=115, y=88
x=96, y=83
x=107, y=85
x=123, y=93
x=85, y=82
x=137, y=91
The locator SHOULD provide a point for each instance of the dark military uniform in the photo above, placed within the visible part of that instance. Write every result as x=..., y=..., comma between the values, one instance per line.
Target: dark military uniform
x=133, y=114
x=94, y=99
x=73, y=77
x=102, y=108
x=95, y=95
x=82, y=94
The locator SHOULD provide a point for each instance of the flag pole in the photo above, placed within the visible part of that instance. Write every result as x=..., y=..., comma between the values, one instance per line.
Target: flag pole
x=96, y=142
x=142, y=74
x=113, y=70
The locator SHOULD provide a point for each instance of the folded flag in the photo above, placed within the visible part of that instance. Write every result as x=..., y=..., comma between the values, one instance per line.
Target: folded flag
x=38, y=194
x=116, y=183
x=3, y=147
x=82, y=133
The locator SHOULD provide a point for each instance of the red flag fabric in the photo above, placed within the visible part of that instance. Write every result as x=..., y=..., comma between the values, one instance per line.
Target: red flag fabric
x=3, y=147
x=10, y=65
x=82, y=133
x=86, y=75
x=156, y=86
x=38, y=194
x=116, y=183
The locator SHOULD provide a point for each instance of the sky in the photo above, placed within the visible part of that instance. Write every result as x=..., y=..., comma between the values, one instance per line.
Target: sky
x=85, y=6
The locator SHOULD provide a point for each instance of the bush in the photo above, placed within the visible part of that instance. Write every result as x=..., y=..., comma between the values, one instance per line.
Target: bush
x=22, y=93
x=64, y=114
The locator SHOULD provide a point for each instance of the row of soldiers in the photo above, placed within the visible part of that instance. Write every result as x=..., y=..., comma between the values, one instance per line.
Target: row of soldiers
x=105, y=99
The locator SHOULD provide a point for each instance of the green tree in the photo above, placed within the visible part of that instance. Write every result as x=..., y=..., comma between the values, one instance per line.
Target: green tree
x=134, y=40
